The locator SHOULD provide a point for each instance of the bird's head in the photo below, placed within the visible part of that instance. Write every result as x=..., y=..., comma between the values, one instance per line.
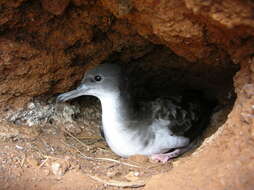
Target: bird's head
x=101, y=81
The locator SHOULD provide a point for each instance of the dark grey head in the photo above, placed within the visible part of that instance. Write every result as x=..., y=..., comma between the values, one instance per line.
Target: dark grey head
x=100, y=81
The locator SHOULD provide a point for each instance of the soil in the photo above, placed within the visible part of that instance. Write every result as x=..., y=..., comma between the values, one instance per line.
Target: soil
x=53, y=158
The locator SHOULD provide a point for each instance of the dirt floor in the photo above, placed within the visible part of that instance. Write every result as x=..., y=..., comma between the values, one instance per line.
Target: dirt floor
x=58, y=160
x=53, y=158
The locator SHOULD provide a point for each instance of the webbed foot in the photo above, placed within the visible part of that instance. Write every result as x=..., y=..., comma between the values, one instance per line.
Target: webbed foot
x=164, y=157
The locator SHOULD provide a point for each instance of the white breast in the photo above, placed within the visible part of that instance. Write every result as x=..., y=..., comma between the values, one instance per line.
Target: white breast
x=126, y=142
x=118, y=137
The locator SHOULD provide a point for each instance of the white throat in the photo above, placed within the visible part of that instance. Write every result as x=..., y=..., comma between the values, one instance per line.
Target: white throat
x=115, y=124
x=114, y=111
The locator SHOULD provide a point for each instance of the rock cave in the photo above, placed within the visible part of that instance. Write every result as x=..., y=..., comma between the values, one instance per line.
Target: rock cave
x=47, y=46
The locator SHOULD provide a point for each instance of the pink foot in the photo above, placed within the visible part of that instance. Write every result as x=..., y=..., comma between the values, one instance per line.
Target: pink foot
x=166, y=156
x=177, y=152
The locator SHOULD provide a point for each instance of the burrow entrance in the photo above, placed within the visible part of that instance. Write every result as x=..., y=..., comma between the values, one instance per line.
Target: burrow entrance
x=62, y=138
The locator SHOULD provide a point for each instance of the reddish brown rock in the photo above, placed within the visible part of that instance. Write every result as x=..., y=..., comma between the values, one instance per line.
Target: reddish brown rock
x=228, y=13
x=49, y=54
x=81, y=2
x=56, y=7
x=190, y=28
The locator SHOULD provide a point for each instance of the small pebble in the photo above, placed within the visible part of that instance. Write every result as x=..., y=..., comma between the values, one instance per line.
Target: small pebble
x=113, y=173
x=131, y=176
x=31, y=106
x=19, y=147
x=60, y=167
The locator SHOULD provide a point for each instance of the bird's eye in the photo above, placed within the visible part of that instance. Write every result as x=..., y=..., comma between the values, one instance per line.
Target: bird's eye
x=97, y=78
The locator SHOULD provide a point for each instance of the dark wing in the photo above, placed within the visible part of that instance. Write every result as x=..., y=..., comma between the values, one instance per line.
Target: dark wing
x=183, y=115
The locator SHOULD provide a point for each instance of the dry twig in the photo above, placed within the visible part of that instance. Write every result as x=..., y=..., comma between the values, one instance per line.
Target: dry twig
x=103, y=159
x=75, y=138
x=23, y=161
x=134, y=184
x=44, y=161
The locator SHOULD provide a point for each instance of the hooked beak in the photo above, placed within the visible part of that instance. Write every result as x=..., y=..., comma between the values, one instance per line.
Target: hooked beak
x=72, y=94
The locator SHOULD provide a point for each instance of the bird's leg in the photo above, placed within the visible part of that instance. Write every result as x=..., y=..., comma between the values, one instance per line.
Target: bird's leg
x=167, y=156
x=164, y=157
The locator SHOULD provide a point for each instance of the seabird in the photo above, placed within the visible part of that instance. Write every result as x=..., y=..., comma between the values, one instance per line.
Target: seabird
x=162, y=129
